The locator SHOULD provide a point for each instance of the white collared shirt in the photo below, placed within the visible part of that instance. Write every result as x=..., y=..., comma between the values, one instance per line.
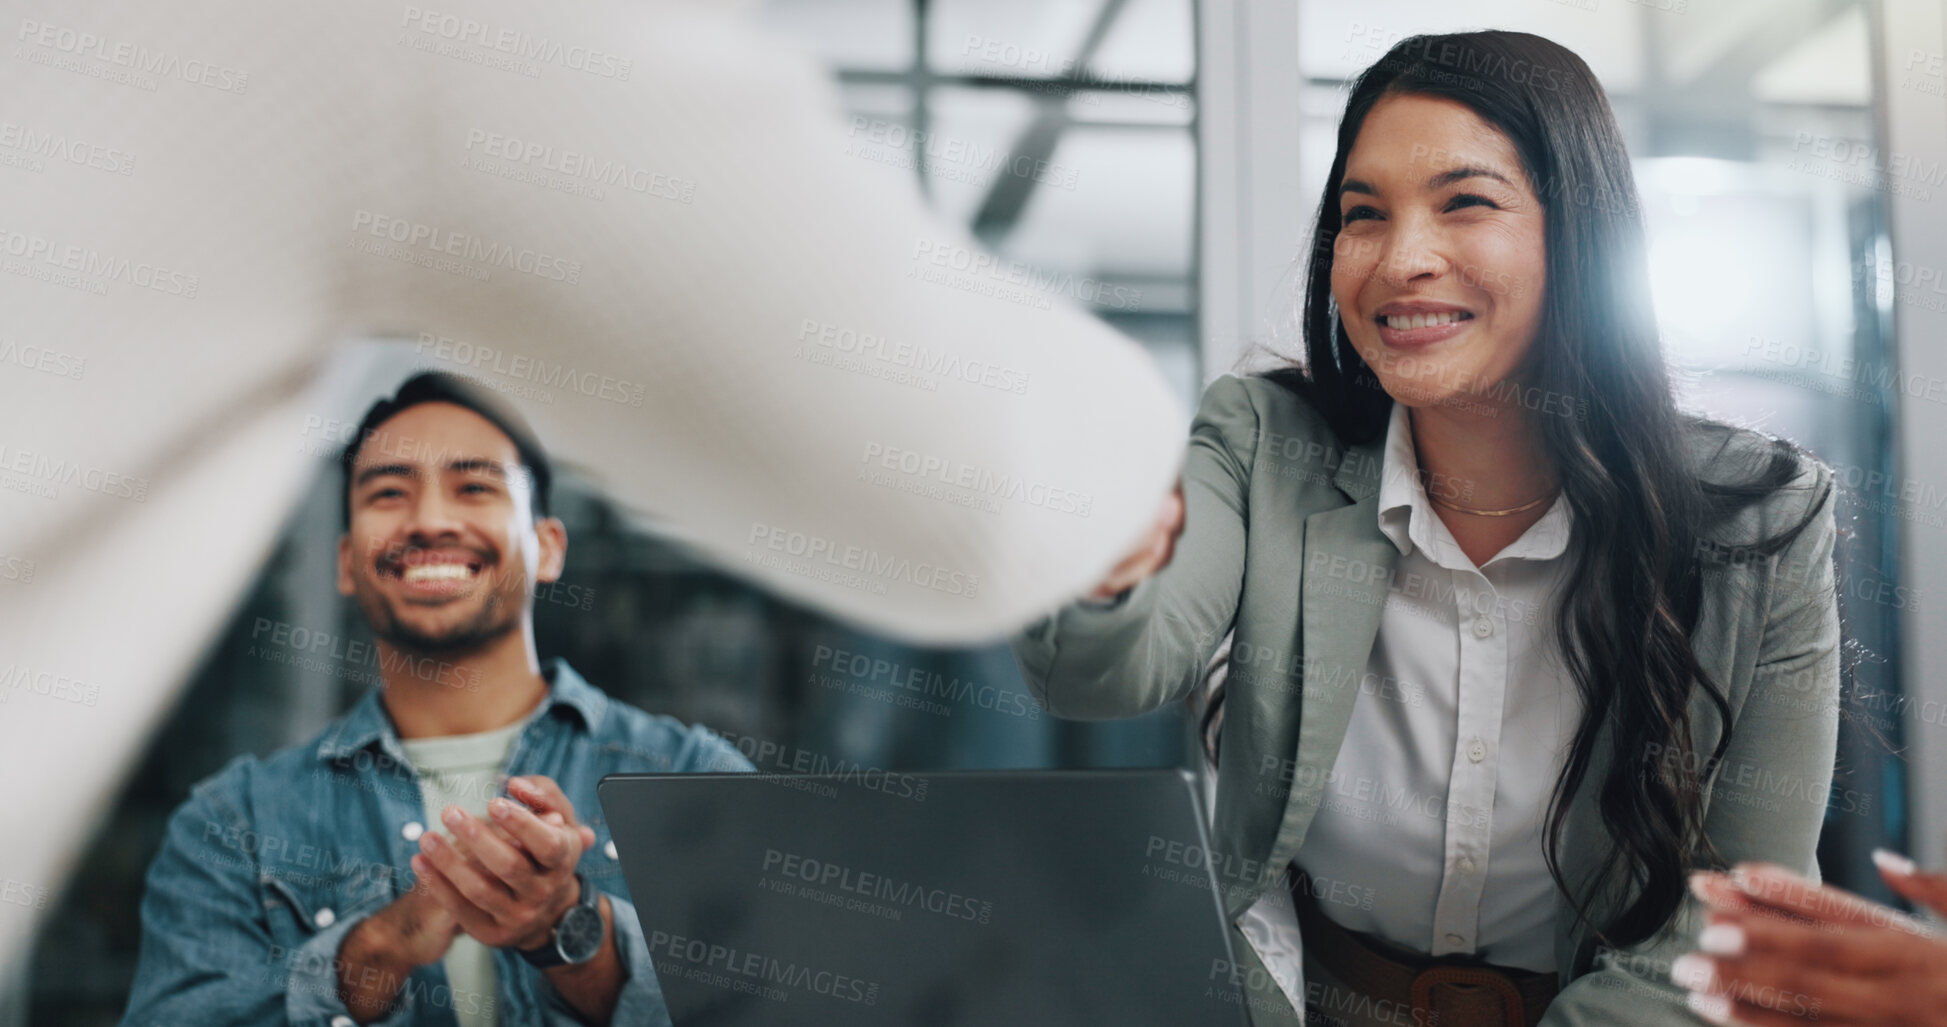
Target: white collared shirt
x=1430, y=829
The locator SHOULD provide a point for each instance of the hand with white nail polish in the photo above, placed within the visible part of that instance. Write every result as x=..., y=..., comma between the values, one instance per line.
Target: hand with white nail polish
x=1779, y=949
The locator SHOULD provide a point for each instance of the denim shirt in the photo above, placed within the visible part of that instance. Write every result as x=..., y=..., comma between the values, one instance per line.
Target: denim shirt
x=271, y=863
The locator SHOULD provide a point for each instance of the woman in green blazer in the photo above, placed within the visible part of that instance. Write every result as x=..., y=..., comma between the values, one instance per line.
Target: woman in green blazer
x=1621, y=618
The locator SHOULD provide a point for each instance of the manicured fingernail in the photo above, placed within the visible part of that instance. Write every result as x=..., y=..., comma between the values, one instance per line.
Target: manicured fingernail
x=453, y=816
x=501, y=808
x=1715, y=1008
x=1700, y=885
x=1894, y=863
x=1692, y=972
x=1721, y=940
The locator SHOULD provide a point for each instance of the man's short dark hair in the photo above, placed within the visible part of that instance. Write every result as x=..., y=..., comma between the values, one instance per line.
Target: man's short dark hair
x=438, y=387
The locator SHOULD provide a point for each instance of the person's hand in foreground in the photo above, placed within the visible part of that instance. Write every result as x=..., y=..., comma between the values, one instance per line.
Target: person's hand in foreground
x=1778, y=949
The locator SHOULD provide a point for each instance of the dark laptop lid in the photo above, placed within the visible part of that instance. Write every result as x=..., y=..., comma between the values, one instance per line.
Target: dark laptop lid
x=953, y=899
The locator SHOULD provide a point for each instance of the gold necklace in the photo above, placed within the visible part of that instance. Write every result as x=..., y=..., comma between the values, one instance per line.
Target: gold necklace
x=1523, y=508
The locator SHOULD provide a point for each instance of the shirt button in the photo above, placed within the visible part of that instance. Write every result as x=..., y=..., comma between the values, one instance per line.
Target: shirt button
x=1466, y=865
x=609, y=849
x=325, y=918
x=1483, y=627
x=412, y=831
x=1477, y=750
x=1455, y=939
x=343, y=1021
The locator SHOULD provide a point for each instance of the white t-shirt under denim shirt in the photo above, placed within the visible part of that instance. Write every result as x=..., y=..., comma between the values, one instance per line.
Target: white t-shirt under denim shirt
x=464, y=771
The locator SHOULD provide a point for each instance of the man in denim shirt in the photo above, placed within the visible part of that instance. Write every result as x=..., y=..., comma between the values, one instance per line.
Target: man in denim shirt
x=379, y=873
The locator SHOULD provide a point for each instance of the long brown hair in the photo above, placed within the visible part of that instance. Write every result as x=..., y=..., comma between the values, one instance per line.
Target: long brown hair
x=1642, y=512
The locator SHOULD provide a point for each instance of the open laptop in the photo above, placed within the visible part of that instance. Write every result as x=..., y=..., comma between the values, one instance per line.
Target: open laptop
x=952, y=899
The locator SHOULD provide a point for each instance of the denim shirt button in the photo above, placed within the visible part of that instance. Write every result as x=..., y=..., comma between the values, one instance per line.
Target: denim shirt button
x=609, y=849
x=412, y=830
x=343, y=1021
x=325, y=918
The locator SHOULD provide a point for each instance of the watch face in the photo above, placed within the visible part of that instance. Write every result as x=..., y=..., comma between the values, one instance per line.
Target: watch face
x=579, y=934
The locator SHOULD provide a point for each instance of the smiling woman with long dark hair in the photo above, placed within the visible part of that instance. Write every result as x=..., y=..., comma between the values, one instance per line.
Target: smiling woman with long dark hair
x=1515, y=643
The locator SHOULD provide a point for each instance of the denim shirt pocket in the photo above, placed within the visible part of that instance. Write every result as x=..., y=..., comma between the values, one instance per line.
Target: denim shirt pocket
x=300, y=902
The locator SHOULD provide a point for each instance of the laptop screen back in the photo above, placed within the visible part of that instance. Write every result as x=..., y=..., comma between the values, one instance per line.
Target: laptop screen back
x=953, y=899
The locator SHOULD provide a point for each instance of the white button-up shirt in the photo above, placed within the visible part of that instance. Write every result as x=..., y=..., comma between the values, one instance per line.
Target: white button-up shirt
x=1430, y=830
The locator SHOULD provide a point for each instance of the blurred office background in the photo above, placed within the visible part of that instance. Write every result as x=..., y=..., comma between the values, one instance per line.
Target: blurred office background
x=1159, y=161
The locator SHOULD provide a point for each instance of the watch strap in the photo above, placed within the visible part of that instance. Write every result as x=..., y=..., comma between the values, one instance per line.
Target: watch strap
x=549, y=953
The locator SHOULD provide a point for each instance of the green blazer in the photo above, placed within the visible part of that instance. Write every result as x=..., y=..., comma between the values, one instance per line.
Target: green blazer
x=1281, y=545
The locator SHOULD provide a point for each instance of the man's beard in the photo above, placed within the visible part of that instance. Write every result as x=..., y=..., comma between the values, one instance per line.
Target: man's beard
x=494, y=620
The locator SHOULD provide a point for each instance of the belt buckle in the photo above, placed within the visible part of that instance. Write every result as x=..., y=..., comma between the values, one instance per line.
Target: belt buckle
x=1425, y=1014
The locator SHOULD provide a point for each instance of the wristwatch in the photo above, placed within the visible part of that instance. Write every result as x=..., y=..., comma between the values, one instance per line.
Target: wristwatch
x=578, y=935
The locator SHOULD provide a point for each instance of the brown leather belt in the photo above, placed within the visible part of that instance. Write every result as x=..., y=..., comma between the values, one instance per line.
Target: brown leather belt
x=1439, y=992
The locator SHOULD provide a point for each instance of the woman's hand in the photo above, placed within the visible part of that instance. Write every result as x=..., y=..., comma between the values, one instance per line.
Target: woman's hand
x=1152, y=554
x=1782, y=950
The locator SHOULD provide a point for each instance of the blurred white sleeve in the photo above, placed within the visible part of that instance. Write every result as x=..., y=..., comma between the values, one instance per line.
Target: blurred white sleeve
x=643, y=210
